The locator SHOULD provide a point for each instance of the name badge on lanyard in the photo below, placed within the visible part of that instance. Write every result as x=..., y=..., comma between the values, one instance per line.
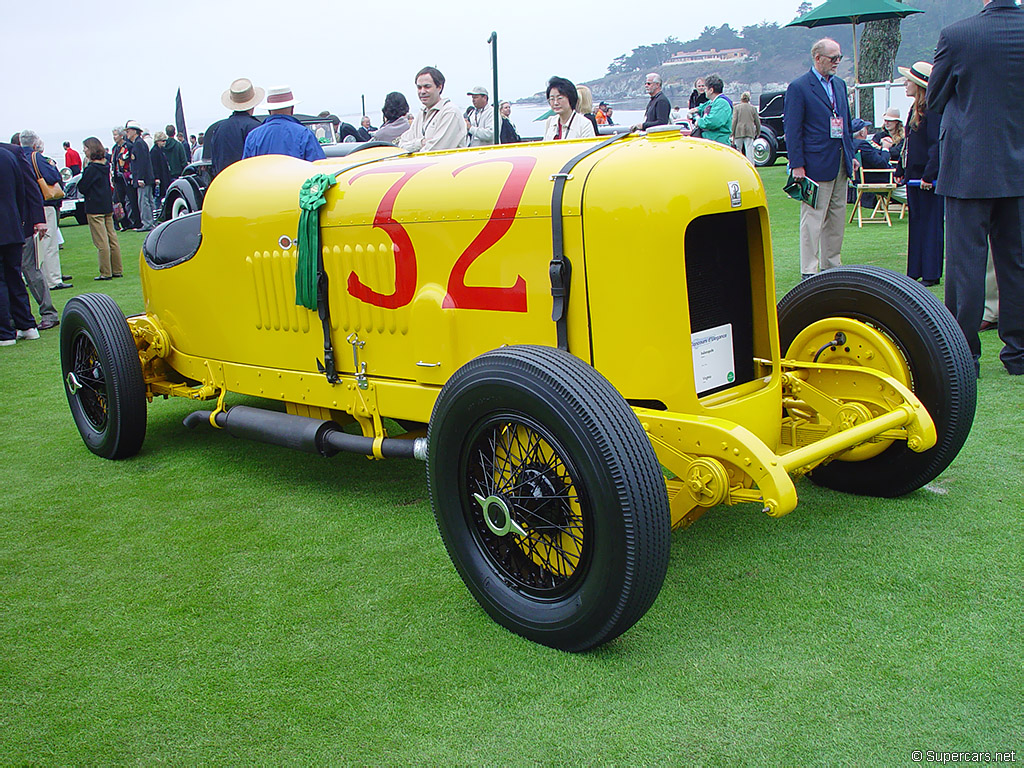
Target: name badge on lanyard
x=835, y=127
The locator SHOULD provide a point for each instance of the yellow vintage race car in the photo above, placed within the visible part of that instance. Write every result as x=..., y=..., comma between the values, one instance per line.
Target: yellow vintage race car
x=580, y=339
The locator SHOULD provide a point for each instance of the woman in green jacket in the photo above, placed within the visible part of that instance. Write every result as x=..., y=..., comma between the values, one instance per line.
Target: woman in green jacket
x=716, y=121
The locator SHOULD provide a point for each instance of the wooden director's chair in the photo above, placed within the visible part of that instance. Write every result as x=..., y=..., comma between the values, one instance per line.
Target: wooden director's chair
x=879, y=182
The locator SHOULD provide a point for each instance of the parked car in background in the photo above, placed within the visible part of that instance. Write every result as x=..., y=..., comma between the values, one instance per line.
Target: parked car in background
x=185, y=194
x=772, y=141
x=73, y=203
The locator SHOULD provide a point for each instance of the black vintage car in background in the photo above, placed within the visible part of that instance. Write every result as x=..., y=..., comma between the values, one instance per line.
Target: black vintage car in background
x=772, y=141
x=72, y=204
x=185, y=194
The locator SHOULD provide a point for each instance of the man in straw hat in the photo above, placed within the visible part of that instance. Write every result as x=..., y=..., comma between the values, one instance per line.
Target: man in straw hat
x=143, y=180
x=225, y=139
x=282, y=134
x=981, y=169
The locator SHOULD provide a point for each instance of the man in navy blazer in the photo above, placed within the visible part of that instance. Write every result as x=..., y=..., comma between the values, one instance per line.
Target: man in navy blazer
x=976, y=83
x=20, y=215
x=819, y=141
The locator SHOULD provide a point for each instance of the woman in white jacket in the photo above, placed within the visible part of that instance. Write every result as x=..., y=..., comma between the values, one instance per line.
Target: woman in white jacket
x=566, y=123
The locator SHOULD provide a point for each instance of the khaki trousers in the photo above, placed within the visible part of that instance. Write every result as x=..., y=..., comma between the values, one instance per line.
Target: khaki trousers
x=991, y=292
x=822, y=227
x=49, y=250
x=746, y=146
x=101, y=227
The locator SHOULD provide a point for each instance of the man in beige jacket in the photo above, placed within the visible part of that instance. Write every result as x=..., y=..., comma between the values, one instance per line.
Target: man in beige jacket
x=746, y=126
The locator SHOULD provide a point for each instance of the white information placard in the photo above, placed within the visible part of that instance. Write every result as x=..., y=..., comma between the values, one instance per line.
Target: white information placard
x=713, y=364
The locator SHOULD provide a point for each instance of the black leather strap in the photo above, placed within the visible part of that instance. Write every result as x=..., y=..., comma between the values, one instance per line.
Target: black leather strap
x=560, y=269
x=323, y=302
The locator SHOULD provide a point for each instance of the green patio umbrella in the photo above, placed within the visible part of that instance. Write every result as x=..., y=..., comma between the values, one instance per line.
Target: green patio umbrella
x=853, y=12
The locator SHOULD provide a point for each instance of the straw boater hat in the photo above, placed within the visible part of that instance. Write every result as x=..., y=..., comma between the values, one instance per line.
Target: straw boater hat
x=477, y=91
x=919, y=73
x=892, y=113
x=242, y=95
x=279, y=98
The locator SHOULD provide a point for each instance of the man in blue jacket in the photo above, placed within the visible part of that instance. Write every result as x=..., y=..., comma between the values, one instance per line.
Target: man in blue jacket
x=819, y=140
x=280, y=133
x=976, y=83
x=20, y=216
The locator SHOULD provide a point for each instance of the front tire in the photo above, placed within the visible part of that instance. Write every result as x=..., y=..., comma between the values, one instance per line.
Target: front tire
x=102, y=376
x=548, y=496
x=924, y=338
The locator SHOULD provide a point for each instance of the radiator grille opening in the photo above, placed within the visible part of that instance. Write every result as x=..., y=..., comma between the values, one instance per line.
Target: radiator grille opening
x=720, y=301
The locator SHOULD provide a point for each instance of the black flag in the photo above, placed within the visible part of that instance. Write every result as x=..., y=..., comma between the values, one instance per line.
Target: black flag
x=179, y=119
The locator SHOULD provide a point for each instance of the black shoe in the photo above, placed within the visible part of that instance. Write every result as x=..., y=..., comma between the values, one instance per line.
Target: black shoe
x=61, y=286
x=66, y=278
x=117, y=275
x=988, y=325
x=929, y=283
x=102, y=277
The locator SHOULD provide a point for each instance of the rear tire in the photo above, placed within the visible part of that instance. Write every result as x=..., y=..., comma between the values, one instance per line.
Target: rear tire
x=933, y=348
x=572, y=547
x=102, y=376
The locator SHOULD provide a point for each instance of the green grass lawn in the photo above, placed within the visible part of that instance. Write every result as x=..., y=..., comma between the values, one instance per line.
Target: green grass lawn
x=217, y=601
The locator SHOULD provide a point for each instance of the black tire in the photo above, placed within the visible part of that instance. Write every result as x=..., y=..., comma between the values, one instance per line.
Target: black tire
x=553, y=439
x=179, y=207
x=766, y=149
x=934, y=349
x=102, y=376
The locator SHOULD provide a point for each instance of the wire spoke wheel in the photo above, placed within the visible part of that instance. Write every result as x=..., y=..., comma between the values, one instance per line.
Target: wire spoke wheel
x=513, y=460
x=548, y=496
x=102, y=376
x=87, y=377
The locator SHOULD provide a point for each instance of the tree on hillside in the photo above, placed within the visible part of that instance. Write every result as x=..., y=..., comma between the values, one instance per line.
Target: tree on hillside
x=764, y=41
x=803, y=9
x=645, y=57
x=714, y=37
x=878, y=48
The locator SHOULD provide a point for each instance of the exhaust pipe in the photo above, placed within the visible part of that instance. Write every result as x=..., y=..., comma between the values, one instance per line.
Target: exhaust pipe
x=301, y=433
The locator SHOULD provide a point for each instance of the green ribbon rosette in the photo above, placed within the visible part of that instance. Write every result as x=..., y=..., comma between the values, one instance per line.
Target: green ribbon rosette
x=312, y=197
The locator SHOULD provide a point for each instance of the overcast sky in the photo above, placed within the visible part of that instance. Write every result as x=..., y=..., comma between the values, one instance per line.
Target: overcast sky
x=97, y=68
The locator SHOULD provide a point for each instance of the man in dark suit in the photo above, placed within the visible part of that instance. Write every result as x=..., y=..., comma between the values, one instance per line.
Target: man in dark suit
x=143, y=178
x=819, y=140
x=17, y=220
x=976, y=81
x=225, y=139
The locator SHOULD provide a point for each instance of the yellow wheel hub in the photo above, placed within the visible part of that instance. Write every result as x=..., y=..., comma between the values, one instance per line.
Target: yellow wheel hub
x=863, y=345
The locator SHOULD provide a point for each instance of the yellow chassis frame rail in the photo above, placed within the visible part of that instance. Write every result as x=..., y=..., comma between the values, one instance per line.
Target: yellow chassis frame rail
x=833, y=409
x=840, y=408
